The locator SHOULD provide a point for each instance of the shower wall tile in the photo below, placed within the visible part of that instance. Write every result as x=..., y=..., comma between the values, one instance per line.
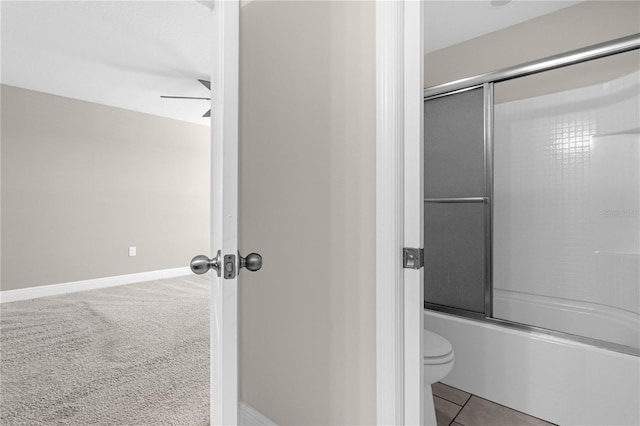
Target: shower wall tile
x=565, y=209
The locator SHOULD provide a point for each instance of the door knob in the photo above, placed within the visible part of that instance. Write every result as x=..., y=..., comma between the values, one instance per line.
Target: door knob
x=252, y=262
x=201, y=264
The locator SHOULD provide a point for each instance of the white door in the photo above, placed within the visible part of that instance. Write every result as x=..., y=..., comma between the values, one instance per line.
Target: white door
x=224, y=365
x=224, y=214
x=225, y=260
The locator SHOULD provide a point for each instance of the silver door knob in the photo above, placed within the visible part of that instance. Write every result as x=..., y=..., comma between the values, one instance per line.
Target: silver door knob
x=201, y=264
x=252, y=262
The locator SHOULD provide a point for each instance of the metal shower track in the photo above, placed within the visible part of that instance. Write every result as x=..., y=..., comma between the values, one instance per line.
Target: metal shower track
x=596, y=51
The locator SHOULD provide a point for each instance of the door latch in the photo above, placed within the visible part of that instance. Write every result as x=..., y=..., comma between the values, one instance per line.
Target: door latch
x=413, y=258
x=252, y=262
x=229, y=266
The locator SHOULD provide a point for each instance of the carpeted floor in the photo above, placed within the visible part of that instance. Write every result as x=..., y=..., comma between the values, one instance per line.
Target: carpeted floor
x=130, y=355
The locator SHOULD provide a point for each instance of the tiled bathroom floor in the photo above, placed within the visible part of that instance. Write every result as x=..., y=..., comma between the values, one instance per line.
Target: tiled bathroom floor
x=458, y=408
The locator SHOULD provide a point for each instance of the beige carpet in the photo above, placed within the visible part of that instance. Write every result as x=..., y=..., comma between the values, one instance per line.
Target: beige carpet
x=130, y=355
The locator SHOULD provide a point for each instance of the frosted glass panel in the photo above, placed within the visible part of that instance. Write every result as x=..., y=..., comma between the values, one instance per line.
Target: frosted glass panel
x=566, y=225
x=454, y=145
x=454, y=255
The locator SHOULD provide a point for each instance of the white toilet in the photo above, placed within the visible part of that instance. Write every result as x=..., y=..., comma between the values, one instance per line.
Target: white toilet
x=438, y=362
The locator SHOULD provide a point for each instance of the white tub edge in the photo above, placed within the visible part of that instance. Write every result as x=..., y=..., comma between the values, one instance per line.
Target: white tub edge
x=555, y=379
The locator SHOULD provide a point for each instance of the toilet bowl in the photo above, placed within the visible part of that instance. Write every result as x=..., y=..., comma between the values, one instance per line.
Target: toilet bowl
x=438, y=359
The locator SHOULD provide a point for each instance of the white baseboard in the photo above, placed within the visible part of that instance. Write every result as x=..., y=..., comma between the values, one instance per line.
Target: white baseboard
x=72, y=287
x=249, y=416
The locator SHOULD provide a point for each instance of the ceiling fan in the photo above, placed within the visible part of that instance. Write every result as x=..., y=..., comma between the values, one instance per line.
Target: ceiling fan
x=206, y=84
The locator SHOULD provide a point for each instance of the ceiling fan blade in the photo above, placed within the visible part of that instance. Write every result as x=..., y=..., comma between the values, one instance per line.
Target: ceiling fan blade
x=205, y=83
x=185, y=97
x=207, y=114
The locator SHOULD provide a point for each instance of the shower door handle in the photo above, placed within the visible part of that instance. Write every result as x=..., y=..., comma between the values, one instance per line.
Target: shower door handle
x=458, y=200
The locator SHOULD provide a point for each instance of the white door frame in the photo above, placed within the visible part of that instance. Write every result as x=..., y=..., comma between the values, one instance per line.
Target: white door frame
x=223, y=332
x=399, y=292
x=399, y=210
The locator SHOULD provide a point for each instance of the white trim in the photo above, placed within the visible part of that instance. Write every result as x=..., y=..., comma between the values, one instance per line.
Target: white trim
x=413, y=216
x=75, y=286
x=389, y=227
x=224, y=211
x=249, y=416
x=399, y=318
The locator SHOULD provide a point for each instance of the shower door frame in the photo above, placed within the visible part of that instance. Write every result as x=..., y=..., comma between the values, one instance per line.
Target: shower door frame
x=486, y=82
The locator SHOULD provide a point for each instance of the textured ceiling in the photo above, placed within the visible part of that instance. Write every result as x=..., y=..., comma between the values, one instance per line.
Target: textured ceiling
x=118, y=53
x=128, y=53
x=453, y=21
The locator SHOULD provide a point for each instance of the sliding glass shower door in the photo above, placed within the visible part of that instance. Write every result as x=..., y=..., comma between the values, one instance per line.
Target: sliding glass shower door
x=532, y=196
x=455, y=195
x=567, y=195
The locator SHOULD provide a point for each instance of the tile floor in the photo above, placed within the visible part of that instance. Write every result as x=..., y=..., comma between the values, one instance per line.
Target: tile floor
x=458, y=408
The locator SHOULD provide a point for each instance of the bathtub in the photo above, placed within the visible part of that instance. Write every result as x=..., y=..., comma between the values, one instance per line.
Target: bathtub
x=558, y=380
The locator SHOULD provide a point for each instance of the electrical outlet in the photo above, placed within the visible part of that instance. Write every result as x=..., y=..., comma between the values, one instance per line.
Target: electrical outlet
x=132, y=251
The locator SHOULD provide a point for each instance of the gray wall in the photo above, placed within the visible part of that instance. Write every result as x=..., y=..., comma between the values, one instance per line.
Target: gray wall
x=571, y=28
x=307, y=204
x=82, y=182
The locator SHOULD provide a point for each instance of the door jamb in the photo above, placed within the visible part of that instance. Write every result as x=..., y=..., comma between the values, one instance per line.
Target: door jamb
x=399, y=220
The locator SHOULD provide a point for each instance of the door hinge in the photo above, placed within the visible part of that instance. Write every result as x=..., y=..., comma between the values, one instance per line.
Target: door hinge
x=413, y=258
